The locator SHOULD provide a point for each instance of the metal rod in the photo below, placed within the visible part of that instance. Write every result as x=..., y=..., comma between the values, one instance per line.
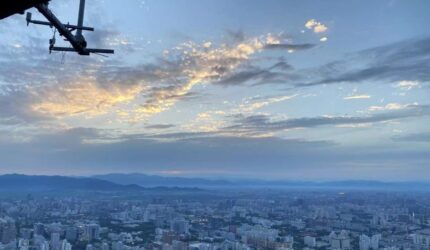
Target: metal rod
x=85, y=51
x=69, y=26
x=81, y=17
x=100, y=51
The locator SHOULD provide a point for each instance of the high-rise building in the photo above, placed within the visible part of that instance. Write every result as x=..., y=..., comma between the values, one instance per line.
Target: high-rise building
x=66, y=245
x=374, y=241
x=40, y=242
x=72, y=233
x=340, y=241
x=421, y=239
x=92, y=232
x=55, y=241
x=7, y=230
x=179, y=226
x=364, y=242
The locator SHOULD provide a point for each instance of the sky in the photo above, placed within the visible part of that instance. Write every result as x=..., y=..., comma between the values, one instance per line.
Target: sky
x=233, y=89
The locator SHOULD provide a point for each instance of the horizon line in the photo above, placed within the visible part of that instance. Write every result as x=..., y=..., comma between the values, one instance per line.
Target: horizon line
x=226, y=179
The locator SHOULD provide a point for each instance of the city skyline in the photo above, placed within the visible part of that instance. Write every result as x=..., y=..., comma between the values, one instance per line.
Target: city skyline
x=291, y=90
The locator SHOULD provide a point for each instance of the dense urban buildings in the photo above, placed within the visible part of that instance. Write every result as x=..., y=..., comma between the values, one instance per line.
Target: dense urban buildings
x=225, y=219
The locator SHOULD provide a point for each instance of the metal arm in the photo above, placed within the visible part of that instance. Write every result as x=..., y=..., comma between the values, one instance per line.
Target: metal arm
x=69, y=26
x=77, y=45
x=77, y=41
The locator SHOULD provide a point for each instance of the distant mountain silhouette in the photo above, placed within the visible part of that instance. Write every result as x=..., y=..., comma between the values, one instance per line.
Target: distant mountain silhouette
x=158, y=181
x=16, y=182
x=139, y=182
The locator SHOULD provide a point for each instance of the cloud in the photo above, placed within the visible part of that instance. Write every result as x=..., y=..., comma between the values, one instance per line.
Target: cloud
x=143, y=153
x=263, y=123
x=199, y=64
x=355, y=97
x=316, y=26
x=257, y=103
x=160, y=126
x=391, y=106
x=199, y=153
x=408, y=60
x=274, y=74
x=408, y=85
x=290, y=47
x=82, y=97
x=44, y=89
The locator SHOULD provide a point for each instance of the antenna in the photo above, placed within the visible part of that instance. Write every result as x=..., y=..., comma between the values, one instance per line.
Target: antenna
x=78, y=42
x=80, y=18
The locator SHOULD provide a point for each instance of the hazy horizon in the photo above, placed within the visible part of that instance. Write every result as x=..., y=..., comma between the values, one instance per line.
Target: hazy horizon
x=243, y=89
x=232, y=179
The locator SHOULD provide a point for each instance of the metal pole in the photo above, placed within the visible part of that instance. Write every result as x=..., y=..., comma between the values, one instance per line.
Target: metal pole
x=81, y=18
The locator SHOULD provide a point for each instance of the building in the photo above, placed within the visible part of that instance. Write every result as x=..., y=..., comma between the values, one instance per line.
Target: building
x=92, y=232
x=421, y=239
x=258, y=236
x=179, y=226
x=55, y=241
x=340, y=240
x=310, y=241
x=72, y=233
x=7, y=230
x=66, y=245
x=374, y=241
x=364, y=242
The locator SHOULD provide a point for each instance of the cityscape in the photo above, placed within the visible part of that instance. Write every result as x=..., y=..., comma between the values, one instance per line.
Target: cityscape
x=213, y=219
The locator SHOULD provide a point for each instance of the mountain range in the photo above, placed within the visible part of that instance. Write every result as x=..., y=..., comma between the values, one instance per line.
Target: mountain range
x=155, y=181
x=18, y=182
x=140, y=182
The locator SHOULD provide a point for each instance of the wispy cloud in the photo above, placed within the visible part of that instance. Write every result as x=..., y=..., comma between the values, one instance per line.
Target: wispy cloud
x=355, y=97
x=391, y=106
x=408, y=85
x=253, y=104
x=407, y=61
x=264, y=123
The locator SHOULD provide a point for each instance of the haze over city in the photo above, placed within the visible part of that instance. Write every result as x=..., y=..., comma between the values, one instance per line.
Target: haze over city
x=244, y=89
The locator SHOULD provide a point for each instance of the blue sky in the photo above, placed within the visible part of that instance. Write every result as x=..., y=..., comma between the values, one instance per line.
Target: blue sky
x=299, y=90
